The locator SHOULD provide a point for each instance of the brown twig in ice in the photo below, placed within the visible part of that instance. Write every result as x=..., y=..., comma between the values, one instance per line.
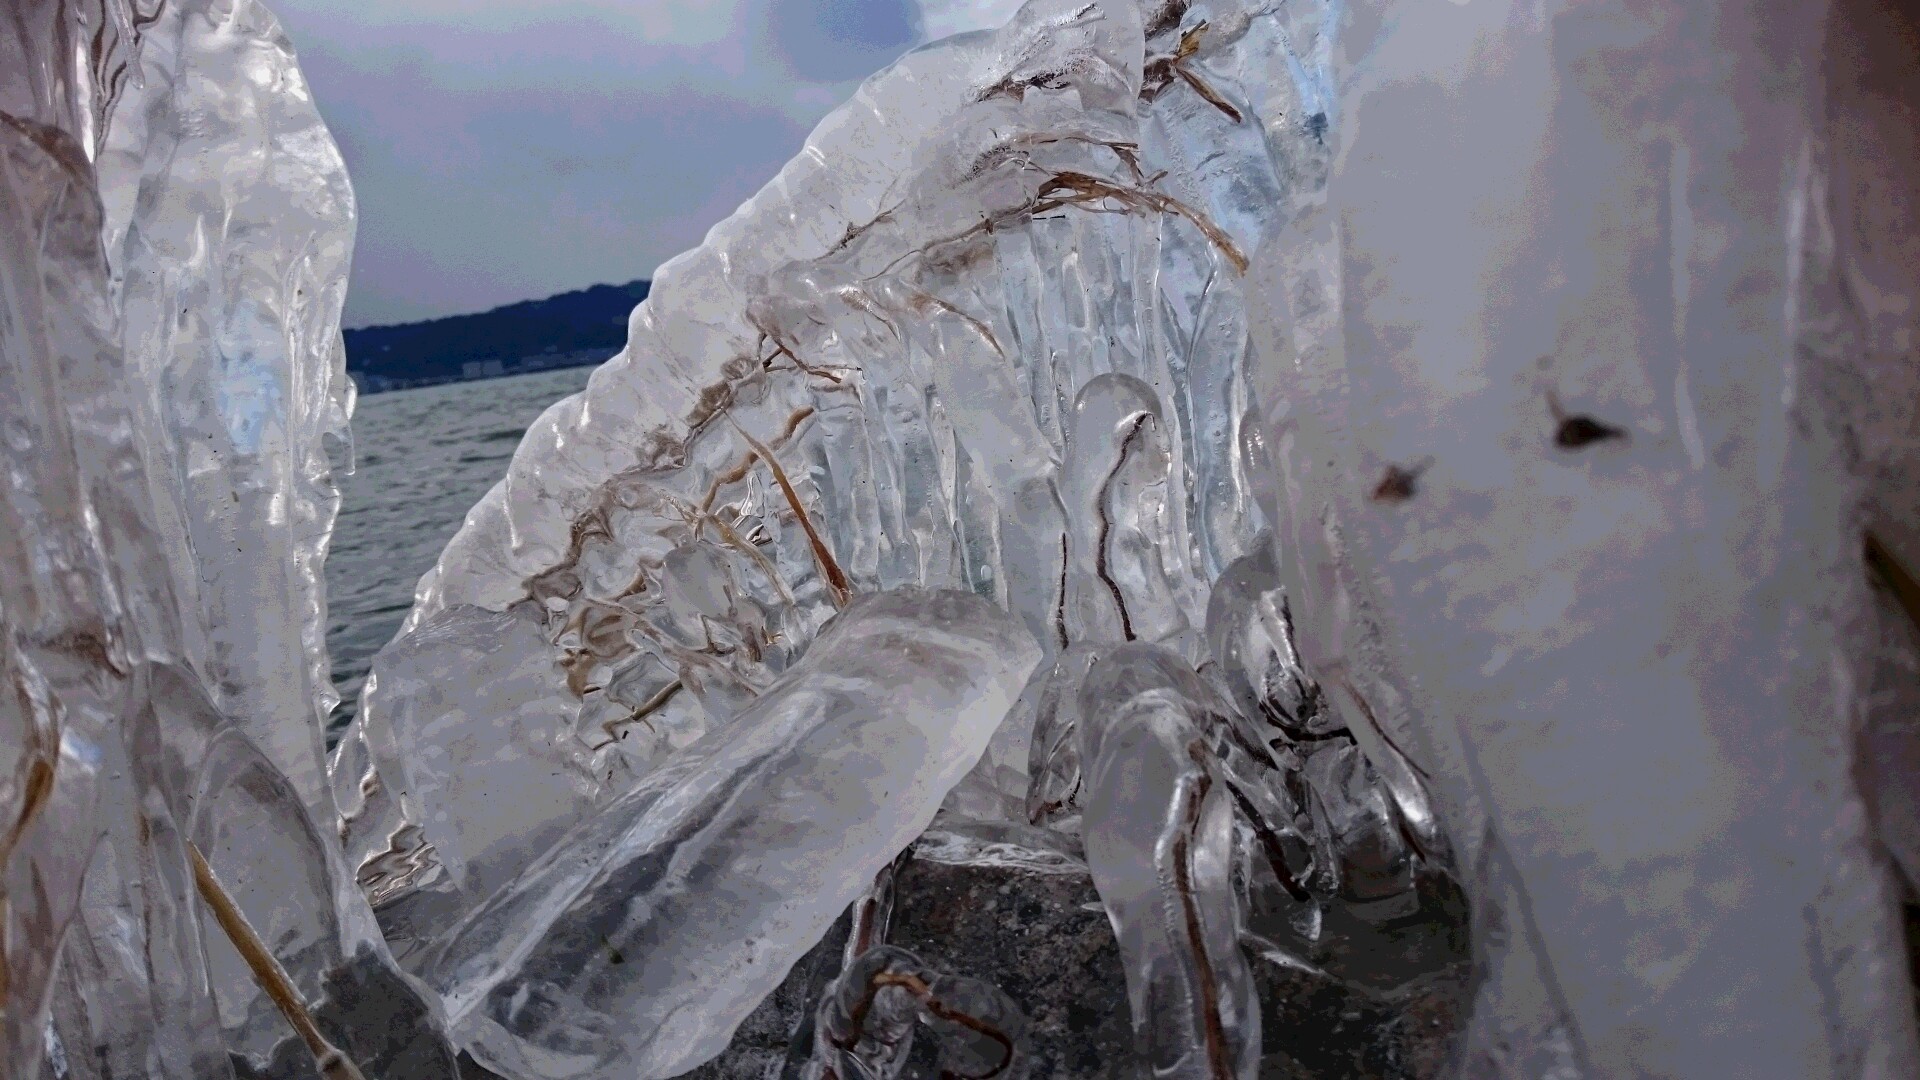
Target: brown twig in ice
x=267, y=971
x=1079, y=189
x=1161, y=71
x=1193, y=796
x=838, y=587
x=1898, y=581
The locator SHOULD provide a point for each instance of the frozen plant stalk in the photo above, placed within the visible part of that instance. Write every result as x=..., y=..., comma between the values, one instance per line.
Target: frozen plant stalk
x=1159, y=827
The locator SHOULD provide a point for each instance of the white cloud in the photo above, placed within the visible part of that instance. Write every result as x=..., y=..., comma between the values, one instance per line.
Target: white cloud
x=659, y=23
x=507, y=149
x=944, y=18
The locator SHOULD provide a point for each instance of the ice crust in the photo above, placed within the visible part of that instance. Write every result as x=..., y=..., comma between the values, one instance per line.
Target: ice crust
x=871, y=376
x=1268, y=453
x=1159, y=833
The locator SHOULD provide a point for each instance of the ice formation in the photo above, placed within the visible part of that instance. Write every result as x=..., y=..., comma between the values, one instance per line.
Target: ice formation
x=1572, y=503
x=869, y=1015
x=1271, y=452
x=720, y=868
x=177, y=227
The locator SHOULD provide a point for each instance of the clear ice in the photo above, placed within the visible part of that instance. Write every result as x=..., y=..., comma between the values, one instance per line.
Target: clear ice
x=868, y=1017
x=177, y=225
x=1271, y=453
x=649, y=931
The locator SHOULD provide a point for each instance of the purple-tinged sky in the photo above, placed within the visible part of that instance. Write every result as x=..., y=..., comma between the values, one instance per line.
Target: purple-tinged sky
x=510, y=149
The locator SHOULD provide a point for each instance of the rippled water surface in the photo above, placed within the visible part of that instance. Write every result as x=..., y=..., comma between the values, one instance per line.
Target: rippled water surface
x=422, y=458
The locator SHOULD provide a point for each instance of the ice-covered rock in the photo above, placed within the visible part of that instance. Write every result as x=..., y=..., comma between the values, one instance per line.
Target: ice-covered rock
x=922, y=357
x=972, y=337
x=981, y=903
x=1565, y=350
x=869, y=1017
x=894, y=366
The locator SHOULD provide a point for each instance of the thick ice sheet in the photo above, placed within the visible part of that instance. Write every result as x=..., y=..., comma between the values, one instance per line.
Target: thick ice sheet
x=975, y=336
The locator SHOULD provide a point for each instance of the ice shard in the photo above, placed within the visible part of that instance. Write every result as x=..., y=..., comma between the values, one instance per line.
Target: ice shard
x=1555, y=376
x=647, y=933
x=230, y=325
x=1159, y=827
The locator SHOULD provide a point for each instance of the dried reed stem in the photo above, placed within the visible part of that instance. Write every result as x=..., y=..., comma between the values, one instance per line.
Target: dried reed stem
x=918, y=989
x=839, y=589
x=267, y=971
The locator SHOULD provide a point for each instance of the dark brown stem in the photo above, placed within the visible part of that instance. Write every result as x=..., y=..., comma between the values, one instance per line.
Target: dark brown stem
x=38, y=790
x=652, y=705
x=1215, y=1035
x=923, y=993
x=1100, y=564
x=1898, y=581
x=839, y=588
x=1082, y=189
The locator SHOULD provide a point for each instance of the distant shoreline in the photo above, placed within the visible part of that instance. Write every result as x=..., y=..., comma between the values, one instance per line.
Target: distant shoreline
x=569, y=329
x=366, y=383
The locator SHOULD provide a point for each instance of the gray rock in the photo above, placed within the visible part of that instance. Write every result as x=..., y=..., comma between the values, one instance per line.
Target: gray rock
x=1033, y=926
x=376, y=1019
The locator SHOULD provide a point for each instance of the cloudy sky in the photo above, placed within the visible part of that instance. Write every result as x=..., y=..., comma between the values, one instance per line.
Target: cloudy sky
x=509, y=149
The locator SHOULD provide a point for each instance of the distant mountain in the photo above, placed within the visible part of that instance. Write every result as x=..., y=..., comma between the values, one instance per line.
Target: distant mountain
x=573, y=328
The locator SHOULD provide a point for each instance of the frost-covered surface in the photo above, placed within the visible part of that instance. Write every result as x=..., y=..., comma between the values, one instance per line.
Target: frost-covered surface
x=1612, y=603
x=1398, y=439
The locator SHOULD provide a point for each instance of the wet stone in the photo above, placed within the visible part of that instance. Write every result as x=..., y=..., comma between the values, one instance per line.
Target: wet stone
x=1043, y=939
x=1039, y=934
x=377, y=1020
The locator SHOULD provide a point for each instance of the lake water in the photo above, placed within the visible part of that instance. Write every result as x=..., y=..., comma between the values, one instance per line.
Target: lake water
x=422, y=458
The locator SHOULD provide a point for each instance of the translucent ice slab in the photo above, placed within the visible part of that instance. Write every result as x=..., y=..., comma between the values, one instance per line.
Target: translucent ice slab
x=978, y=335
x=647, y=933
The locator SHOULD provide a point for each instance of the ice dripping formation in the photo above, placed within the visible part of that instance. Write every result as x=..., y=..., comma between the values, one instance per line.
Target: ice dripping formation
x=1006, y=355
x=1277, y=451
x=177, y=231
